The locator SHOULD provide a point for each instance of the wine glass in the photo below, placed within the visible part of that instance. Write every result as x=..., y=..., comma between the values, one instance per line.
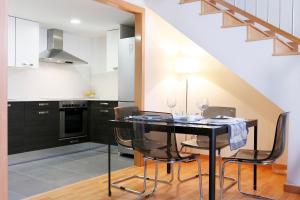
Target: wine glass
x=202, y=105
x=171, y=103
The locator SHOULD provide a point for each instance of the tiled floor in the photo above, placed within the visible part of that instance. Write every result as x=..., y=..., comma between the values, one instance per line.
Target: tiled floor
x=30, y=178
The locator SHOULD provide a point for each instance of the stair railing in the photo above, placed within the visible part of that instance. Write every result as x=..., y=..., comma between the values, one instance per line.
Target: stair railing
x=242, y=10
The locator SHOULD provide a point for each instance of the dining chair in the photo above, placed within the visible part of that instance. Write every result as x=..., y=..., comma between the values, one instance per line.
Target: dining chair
x=258, y=157
x=164, y=149
x=202, y=142
x=123, y=137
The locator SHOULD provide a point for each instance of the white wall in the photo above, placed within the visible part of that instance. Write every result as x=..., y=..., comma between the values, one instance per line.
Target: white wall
x=48, y=81
x=65, y=80
x=100, y=78
x=277, y=78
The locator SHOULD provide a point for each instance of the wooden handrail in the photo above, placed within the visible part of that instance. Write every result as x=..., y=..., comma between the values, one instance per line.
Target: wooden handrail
x=257, y=20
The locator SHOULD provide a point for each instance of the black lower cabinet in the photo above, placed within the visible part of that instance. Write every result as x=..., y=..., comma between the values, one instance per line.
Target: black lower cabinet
x=41, y=125
x=100, y=113
x=35, y=125
x=16, y=127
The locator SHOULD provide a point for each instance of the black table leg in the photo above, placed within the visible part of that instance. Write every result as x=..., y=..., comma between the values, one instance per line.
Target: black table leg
x=168, y=150
x=255, y=166
x=168, y=168
x=109, y=177
x=212, y=165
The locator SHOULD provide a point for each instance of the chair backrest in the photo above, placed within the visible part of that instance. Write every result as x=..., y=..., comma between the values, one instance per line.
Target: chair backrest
x=155, y=143
x=280, y=136
x=123, y=136
x=214, y=111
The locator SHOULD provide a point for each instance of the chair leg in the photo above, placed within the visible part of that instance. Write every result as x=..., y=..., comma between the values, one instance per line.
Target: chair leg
x=155, y=183
x=200, y=178
x=115, y=183
x=145, y=178
x=232, y=180
x=222, y=180
x=195, y=176
x=184, y=179
x=244, y=193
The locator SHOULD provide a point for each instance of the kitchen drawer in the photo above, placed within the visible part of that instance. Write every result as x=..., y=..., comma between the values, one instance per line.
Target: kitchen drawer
x=103, y=113
x=41, y=115
x=41, y=105
x=104, y=104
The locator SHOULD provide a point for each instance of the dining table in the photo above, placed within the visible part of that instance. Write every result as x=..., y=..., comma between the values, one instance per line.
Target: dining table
x=209, y=130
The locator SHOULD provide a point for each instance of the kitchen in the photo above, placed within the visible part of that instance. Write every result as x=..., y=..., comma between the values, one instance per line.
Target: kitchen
x=67, y=71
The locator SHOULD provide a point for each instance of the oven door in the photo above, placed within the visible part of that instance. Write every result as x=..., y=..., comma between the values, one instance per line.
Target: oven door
x=73, y=123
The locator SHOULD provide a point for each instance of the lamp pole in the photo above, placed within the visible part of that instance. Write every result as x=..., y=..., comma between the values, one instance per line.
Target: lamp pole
x=186, y=94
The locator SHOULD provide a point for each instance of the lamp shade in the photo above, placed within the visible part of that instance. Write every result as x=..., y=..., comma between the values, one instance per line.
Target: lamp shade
x=187, y=65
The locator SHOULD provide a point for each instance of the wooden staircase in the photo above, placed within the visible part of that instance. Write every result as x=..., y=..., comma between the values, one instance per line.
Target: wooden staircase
x=284, y=43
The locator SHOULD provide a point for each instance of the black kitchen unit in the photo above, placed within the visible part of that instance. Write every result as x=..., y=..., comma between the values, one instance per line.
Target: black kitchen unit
x=100, y=113
x=41, y=125
x=38, y=125
x=16, y=125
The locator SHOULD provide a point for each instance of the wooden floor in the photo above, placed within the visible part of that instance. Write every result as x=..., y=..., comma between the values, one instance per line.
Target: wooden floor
x=269, y=184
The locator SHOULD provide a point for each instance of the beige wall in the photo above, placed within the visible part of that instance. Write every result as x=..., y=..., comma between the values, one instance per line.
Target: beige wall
x=214, y=81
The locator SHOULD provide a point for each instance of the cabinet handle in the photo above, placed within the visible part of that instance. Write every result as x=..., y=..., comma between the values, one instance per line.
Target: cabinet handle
x=104, y=111
x=9, y=105
x=27, y=64
x=43, y=104
x=104, y=104
x=43, y=112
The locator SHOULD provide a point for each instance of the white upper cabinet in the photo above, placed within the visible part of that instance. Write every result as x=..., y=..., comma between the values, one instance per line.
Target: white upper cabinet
x=112, y=49
x=11, y=41
x=27, y=43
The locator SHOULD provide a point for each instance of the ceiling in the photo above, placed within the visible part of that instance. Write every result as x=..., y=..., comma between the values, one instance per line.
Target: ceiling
x=96, y=18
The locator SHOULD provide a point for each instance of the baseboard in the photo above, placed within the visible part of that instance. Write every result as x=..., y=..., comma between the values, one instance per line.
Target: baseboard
x=279, y=169
x=291, y=188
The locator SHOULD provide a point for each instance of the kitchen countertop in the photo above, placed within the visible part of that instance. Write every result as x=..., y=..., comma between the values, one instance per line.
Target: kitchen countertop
x=58, y=99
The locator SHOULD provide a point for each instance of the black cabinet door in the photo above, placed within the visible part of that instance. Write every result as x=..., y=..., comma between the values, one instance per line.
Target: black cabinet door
x=16, y=127
x=100, y=113
x=41, y=125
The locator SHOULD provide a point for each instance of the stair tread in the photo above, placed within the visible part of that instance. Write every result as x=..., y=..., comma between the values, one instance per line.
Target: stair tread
x=187, y=1
x=211, y=8
x=256, y=40
x=232, y=26
x=286, y=54
x=285, y=43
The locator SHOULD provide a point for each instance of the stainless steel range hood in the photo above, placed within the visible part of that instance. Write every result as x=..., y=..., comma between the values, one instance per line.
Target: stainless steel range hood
x=55, y=52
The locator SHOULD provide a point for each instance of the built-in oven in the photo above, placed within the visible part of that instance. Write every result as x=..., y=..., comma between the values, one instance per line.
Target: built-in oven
x=73, y=119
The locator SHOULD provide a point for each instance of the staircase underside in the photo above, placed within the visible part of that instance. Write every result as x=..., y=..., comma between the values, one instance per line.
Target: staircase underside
x=282, y=46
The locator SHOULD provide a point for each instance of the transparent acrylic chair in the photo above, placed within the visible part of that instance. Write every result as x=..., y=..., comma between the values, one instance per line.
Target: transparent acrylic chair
x=202, y=142
x=258, y=157
x=159, y=145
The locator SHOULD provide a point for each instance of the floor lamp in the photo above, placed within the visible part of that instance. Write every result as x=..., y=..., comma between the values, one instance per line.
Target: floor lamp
x=186, y=66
